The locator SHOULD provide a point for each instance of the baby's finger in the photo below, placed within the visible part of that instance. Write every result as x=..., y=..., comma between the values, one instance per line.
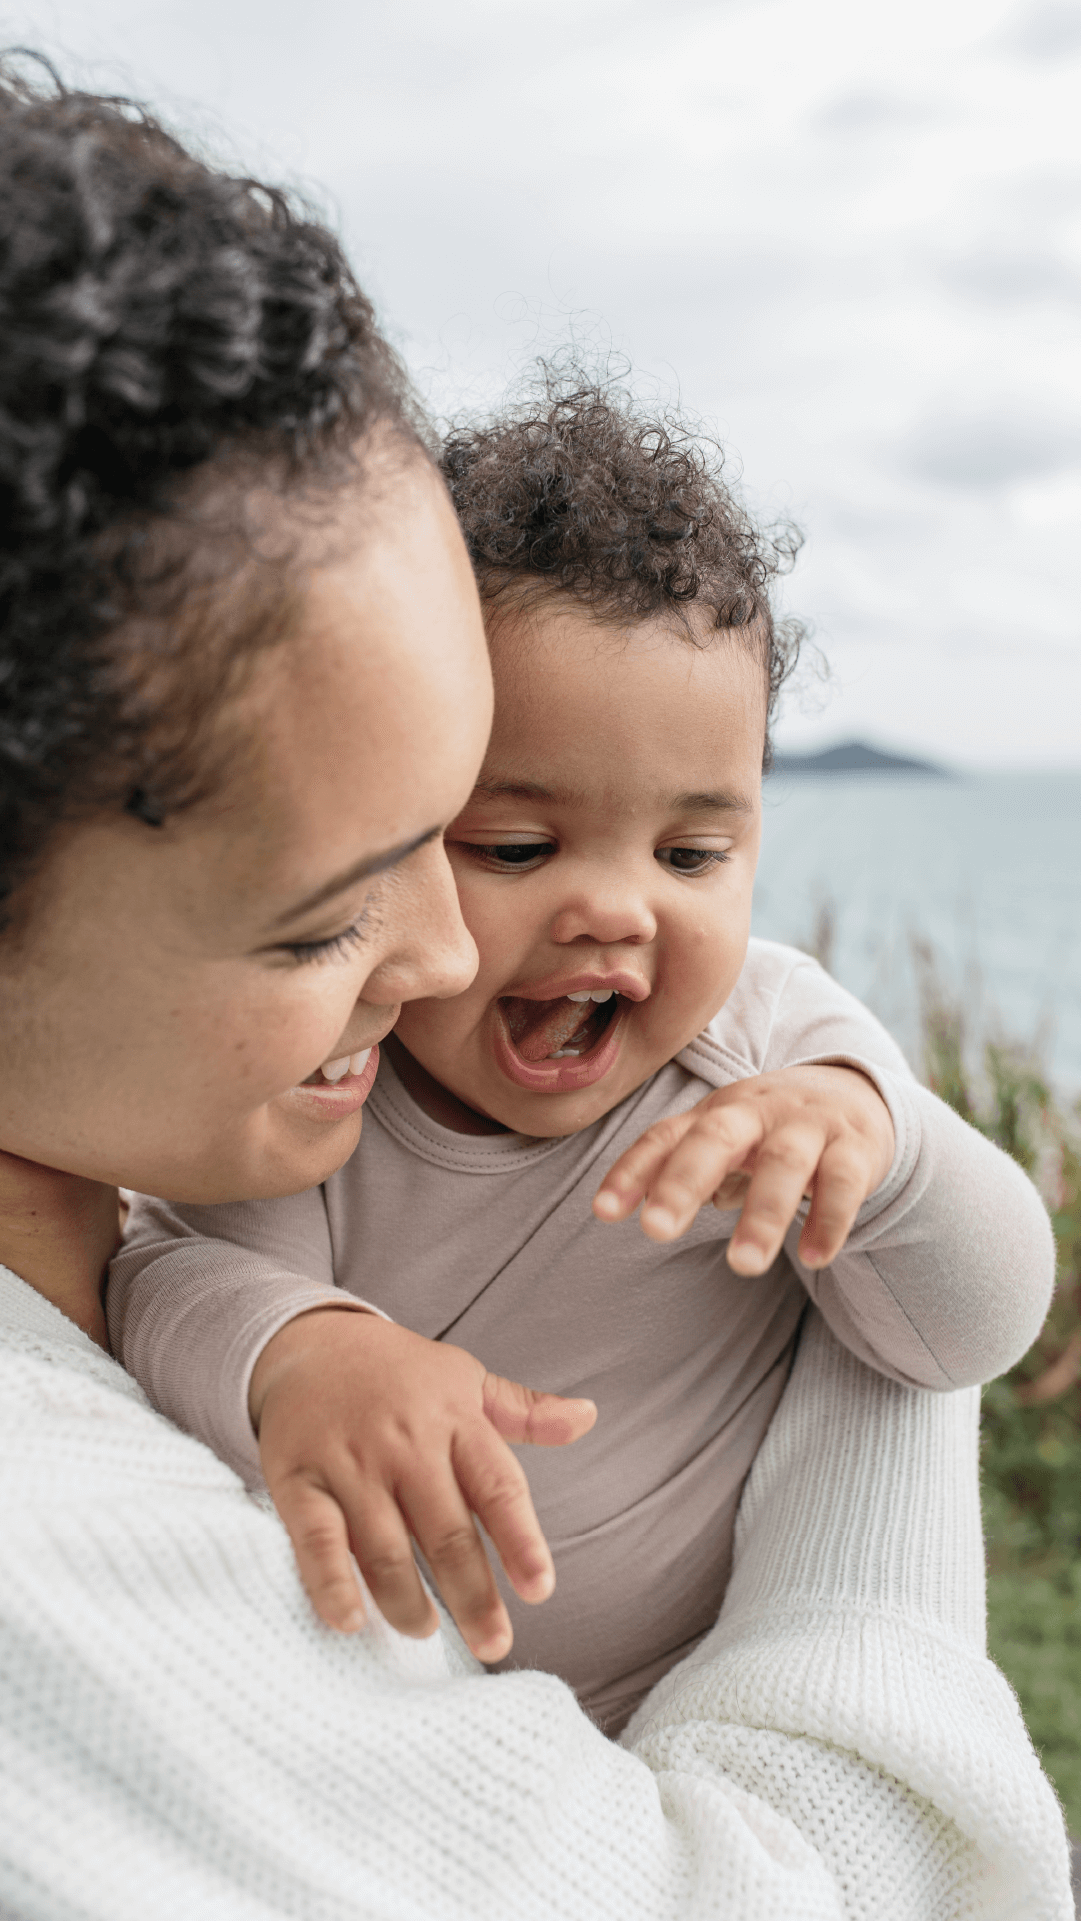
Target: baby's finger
x=719, y=1140
x=841, y=1186
x=384, y=1551
x=317, y=1528
x=523, y=1414
x=624, y=1184
x=497, y=1490
x=448, y=1538
x=784, y=1169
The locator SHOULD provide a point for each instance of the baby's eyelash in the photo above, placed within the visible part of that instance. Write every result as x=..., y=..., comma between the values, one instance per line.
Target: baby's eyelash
x=336, y=945
x=511, y=855
x=707, y=857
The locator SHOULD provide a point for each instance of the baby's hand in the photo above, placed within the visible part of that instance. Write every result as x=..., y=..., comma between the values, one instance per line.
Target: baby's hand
x=368, y=1435
x=765, y=1143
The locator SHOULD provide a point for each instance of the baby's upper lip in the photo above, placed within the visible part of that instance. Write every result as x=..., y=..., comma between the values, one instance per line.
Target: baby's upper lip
x=588, y=980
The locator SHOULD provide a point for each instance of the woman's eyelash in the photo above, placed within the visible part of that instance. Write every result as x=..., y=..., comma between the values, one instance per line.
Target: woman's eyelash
x=336, y=944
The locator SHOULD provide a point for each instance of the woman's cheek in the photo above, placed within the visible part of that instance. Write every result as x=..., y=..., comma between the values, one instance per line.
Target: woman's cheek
x=296, y=1029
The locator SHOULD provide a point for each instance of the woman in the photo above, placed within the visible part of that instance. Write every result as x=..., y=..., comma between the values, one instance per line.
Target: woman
x=244, y=687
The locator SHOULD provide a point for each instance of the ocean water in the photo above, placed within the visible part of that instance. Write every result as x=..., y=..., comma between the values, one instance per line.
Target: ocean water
x=983, y=868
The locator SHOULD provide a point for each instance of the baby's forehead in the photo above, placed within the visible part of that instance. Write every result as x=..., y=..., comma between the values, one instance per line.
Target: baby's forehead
x=498, y=785
x=522, y=620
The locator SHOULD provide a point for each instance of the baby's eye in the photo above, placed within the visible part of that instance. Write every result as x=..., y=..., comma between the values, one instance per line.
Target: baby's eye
x=512, y=856
x=690, y=860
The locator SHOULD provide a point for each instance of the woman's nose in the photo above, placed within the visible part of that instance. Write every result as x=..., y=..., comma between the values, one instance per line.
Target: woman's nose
x=607, y=916
x=432, y=953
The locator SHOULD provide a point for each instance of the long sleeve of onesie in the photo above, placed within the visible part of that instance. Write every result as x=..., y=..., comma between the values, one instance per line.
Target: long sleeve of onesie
x=179, y=1737
x=947, y=1274
x=197, y=1292
x=943, y=1282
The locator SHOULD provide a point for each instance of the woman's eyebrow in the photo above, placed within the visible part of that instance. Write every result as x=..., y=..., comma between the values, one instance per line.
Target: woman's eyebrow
x=371, y=864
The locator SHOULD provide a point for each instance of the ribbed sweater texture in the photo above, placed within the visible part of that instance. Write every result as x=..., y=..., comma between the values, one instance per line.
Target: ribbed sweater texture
x=180, y=1739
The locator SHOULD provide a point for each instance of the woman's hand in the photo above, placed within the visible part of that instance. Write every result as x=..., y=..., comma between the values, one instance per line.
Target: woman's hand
x=372, y=1437
x=58, y=1232
x=762, y=1144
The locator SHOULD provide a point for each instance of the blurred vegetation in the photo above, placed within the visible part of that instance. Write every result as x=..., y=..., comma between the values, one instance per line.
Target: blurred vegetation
x=1031, y=1425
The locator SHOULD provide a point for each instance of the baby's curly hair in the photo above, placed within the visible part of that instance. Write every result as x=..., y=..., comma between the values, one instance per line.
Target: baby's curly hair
x=582, y=491
x=156, y=316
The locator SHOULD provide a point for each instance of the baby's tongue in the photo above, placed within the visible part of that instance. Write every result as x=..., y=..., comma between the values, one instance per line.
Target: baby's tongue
x=537, y=1028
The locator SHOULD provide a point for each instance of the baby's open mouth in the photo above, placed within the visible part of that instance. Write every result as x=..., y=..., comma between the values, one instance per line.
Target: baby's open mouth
x=549, y=1030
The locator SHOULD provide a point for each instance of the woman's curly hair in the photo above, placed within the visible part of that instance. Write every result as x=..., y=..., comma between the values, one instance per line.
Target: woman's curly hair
x=581, y=491
x=156, y=315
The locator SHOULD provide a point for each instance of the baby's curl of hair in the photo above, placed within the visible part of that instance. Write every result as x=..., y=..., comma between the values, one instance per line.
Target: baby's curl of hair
x=581, y=490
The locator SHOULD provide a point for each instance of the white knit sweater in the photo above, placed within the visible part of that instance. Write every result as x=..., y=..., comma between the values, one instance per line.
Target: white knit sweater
x=181, y=1741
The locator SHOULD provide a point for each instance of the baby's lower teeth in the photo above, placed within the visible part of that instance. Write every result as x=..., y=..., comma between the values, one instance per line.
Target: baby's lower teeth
x=560, y=1051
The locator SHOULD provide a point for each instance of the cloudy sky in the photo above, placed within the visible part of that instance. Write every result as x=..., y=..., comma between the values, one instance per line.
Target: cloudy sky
x=848, y=236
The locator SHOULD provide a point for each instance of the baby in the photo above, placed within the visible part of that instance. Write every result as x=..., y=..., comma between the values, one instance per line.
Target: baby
x=624, y=1042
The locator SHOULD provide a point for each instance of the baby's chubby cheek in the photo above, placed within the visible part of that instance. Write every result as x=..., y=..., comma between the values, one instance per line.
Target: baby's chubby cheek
x=701, y=968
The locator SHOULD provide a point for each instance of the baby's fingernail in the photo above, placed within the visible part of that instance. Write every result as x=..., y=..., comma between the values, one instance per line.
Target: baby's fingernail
x=606, y=1204
x=658, y=1220
x=353, y=1621
x=493, y=1649
x=746, y=1258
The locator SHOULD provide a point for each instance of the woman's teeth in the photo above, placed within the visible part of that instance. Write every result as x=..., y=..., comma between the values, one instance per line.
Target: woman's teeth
x=346, y=1064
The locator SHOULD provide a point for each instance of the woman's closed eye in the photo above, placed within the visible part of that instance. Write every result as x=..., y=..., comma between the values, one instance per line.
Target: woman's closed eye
x=334, y=947
x=690, y=861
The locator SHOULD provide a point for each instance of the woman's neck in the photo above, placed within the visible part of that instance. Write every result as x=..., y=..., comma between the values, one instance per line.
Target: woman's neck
x=57, y=1233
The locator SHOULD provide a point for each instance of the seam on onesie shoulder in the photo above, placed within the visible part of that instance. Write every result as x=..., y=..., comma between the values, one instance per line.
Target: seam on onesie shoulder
x=902, y=1309
x=712, y=1059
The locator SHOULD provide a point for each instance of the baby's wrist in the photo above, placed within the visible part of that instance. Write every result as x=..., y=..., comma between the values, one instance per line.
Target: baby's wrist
x=309, y=1328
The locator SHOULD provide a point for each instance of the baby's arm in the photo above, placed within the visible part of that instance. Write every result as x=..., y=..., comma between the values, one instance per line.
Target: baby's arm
x=927, y=1250
x=368, y=1436
x=194, y=1295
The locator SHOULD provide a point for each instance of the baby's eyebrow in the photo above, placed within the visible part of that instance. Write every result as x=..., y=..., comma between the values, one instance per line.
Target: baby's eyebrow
x=528, y=790
x=711, y=803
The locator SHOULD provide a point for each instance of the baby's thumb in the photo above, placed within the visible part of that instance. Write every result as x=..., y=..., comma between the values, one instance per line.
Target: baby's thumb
x=524, y=1414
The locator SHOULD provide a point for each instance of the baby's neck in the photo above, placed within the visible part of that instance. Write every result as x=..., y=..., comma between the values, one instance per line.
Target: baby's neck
x=432, y=1097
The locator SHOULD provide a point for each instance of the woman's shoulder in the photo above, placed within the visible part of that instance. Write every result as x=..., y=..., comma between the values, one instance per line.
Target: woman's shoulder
x=74, y=1425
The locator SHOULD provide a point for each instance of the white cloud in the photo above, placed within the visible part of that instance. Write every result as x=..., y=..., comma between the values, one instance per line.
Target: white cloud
x=850, y=236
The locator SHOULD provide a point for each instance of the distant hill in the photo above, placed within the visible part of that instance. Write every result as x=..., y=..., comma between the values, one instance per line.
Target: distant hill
x=855, y=757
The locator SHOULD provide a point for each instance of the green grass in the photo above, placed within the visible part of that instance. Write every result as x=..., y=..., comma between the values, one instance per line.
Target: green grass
x=1031, y=1425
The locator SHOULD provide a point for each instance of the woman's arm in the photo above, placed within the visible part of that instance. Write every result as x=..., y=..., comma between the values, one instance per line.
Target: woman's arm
x=177, y=1736
x=850, y=1651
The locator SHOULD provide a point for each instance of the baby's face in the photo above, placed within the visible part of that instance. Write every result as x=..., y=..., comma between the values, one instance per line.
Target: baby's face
x=609, y=849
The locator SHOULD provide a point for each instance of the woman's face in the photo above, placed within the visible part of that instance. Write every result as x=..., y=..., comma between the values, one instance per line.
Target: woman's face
x=167, y=1010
